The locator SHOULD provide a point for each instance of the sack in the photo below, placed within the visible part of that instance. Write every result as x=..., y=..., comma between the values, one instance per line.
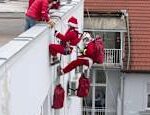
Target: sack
x=84, y=86
x=99, y=50
x=58, y=99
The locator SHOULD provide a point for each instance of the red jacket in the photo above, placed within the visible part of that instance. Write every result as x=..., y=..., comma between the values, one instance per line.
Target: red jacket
x=30, y=3
x=70, y=36
x=38, y=10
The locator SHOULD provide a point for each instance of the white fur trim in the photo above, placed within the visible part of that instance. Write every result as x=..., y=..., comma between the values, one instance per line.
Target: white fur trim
x=56, y=33
x=54, y=2
x=72, y=24
x=84, y=51
x=62, y=71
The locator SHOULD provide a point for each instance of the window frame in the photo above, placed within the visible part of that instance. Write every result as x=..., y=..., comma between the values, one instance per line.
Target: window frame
x=147, y=93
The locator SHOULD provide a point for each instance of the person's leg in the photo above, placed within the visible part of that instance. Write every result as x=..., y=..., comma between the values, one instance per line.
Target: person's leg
x=56, y=48
x=29, y=23
x=32, y=22
x=74, y=64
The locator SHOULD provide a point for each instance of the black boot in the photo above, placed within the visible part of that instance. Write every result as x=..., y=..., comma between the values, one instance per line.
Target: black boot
x=54, y=60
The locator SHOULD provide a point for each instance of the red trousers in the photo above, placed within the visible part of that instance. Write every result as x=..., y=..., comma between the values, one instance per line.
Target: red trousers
x=56, y=48
x=75, y=63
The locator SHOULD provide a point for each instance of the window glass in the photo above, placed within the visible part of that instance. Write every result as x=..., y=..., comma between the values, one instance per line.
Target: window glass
x=148, y=95
x=100, y=77
x=100, y=97
x=148, y=101
x=91, y=76
x=87, y=102
x=111, y=39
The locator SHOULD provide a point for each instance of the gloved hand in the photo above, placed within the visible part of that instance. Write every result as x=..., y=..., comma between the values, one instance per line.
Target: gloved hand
x=81, y=51
x=51, y=23
x=84, y=51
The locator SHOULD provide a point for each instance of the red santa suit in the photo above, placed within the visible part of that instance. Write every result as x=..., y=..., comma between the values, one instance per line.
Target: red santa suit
x=71, y=38
x=88, y=58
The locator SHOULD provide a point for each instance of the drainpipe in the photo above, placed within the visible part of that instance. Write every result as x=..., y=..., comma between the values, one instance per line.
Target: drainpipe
x=122, y=93
x=128, y=31
x=125, y=14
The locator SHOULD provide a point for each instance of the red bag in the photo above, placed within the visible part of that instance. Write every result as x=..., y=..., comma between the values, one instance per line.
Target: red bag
x=84, y=86
x=99, y=50
x=58, y=99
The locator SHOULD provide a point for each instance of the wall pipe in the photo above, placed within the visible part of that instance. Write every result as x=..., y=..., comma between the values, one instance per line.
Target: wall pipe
x=128, y=32
x=122, y=94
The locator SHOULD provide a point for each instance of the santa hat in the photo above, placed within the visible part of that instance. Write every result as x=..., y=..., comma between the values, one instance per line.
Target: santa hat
x=73, y=22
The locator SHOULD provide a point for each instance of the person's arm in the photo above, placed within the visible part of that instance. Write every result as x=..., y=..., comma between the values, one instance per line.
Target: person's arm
x=60, y=36
x=90, y=49
x=30, y=3
x=45, y=10
x=70, y=35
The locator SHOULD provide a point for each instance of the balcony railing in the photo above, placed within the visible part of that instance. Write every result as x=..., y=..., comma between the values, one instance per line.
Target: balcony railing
x=113, y=57
x=98, y=111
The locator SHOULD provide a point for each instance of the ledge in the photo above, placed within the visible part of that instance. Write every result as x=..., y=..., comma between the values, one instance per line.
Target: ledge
x=145, y=112
x=16, y=9
x=13, y=47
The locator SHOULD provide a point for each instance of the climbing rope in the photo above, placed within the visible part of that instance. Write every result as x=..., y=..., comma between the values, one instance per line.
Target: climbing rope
x=90, y=21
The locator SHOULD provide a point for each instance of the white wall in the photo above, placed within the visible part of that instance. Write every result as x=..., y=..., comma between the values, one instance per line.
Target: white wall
x=70, y=103
x=135, y=93
x=113, y=87
x=27, y=72
x=26, y=78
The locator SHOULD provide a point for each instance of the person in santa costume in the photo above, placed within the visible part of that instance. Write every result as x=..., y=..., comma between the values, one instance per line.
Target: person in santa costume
x=88, y=57
x=71, y=38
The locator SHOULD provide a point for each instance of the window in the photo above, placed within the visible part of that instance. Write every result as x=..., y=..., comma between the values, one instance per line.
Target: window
x=100, y=77
x=96, y=97
x=112, y=40
x=148, y=95
x=100, y=97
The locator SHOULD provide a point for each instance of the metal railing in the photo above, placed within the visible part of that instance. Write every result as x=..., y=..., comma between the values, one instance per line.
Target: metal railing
x=113, y=56
x=98, y=111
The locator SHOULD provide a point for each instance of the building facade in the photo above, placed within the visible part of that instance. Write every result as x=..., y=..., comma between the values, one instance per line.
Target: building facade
x=124, y=26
